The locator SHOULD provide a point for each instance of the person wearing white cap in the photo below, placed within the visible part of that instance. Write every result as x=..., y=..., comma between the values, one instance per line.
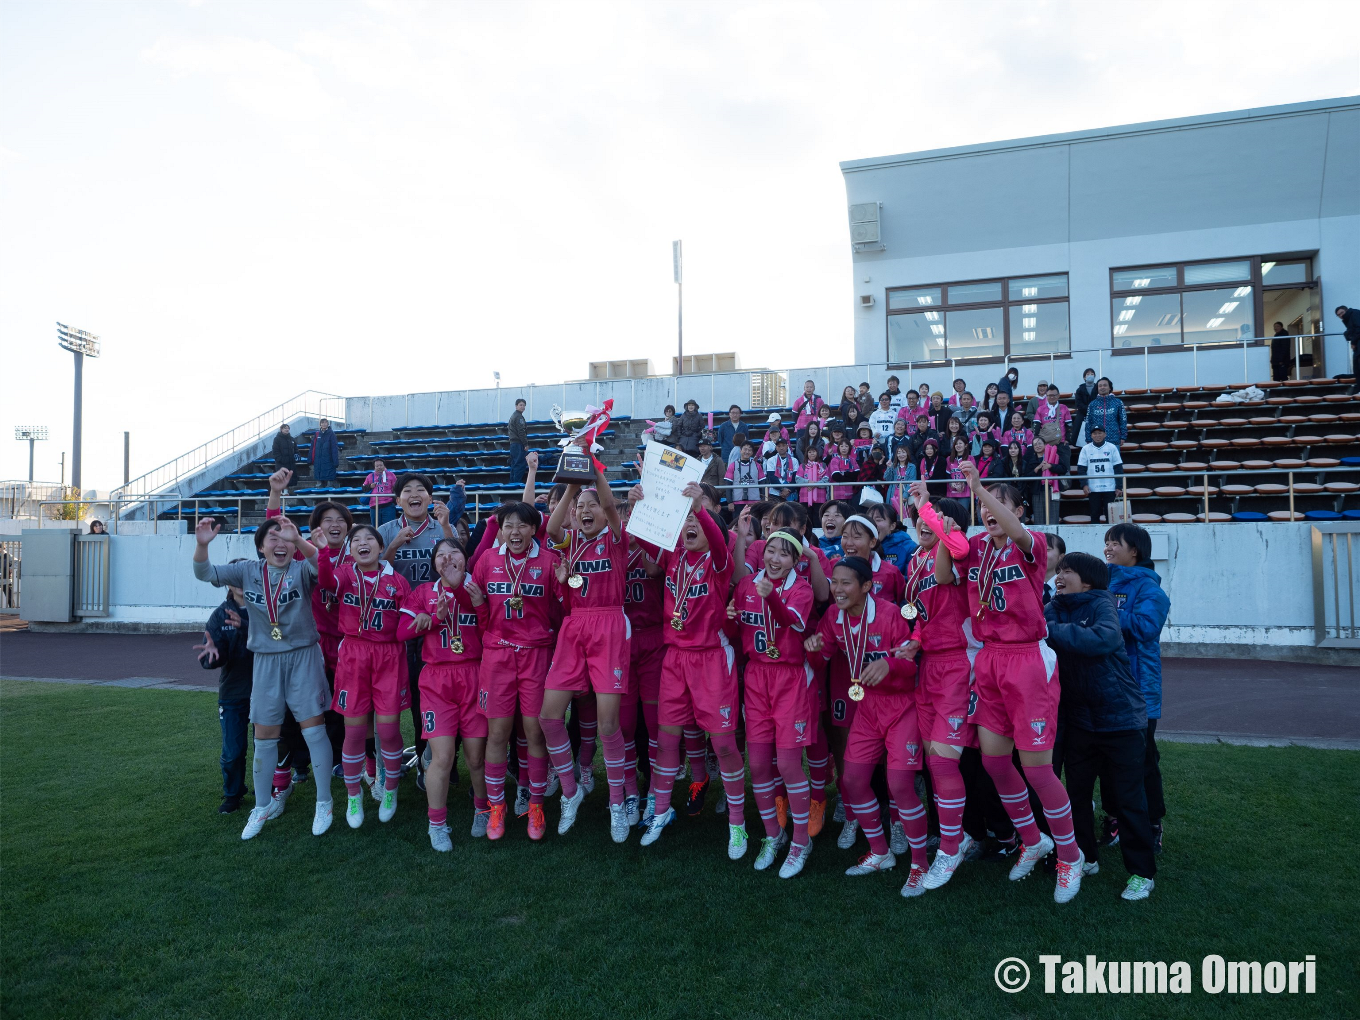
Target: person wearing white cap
x=774, y=430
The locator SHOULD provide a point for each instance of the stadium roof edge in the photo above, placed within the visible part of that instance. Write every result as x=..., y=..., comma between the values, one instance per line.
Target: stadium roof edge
x=1093, y=134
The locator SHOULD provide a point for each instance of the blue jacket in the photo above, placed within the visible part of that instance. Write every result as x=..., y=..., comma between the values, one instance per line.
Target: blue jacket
x=325, y=454
x=897, y=549
x=1098, y=690
x=1143, y=607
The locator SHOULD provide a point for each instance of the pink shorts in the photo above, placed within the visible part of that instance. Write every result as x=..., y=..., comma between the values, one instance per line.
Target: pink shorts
x=841, y=708
x=592, y=653
x=448, y=700
x=1018, y=693
x=886, y=722
x=330, y=651
x=943, y=688
x=780, y=705
x=370, y=676
x=699, y=686
x=511, y=677
x=647, y=651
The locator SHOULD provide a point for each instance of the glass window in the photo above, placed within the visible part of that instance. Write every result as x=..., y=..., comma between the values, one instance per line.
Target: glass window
x=973, y=293
x=918, y=297
x=976, y=333
x=1217, y=316
x=1217, y=272
x=1039, y=328
x=1038, y=287
x=1273, y=273
x=915, y=337
x=1142, y=279
x=1147, y=320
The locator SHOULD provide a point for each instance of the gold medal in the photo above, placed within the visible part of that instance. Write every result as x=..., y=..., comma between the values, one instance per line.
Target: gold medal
x=677, y=623
x=772, y=651
x=856, y=690
x=276, y=632
x=516, y=603
x=456, y=646
x=576, y=580
x=909, y=611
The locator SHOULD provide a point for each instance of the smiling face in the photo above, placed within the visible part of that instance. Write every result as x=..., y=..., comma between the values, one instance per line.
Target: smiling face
x=832, y=520
x=450, y=564
x=414, y=499
x=518, y=534
x=856, y=540
x=990, y=522
x=925, y=538
x=1068, y=582
x=692, y=534
x=778, y=559
x=1119, y=554
x=277, y=549
x=848, y=591
x=734, y=415
x=331, y=528
x=589, y=513
x=365, y=547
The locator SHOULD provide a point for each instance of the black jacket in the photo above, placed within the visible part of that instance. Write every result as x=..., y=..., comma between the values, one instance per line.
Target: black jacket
x=687, y=429
x=285, y=451
x=1351, y=320
x=1281, y=348
x=1083, y=396
x=1099, y=692
x=237, y=662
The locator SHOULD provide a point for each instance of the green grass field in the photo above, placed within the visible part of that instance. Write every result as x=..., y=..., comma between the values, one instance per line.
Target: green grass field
x=126, y=895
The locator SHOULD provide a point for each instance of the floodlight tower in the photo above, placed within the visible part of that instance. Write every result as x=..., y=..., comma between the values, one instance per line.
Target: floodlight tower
x=79, y=343
x=33, y=433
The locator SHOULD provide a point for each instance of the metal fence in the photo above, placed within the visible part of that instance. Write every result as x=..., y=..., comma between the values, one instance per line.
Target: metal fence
x=91, y=588
x=1336, y=549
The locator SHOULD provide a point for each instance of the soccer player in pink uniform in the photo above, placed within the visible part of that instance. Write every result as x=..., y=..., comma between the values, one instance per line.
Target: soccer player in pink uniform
x=771, y=610
x=525, y=607
x=646, y=652
x=448, y=614
x=1016, y=679
x=867, y=631
x=370, y=677
x=592, y=647
x=698, y=676
x=937, y=603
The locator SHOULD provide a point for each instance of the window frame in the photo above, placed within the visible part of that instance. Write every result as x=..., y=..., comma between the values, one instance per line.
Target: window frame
x=1003, y=305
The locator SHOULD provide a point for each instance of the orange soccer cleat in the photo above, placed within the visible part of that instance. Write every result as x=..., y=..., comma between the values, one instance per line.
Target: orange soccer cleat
x=816, y=816
x=781, y=810
x=538, y=824
x=495, y=826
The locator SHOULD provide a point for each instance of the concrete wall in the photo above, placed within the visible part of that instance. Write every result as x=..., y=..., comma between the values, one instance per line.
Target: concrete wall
x=151, y=578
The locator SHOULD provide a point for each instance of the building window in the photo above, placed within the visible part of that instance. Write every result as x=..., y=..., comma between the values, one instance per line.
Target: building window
x=1187, y=303
x=1013, y=317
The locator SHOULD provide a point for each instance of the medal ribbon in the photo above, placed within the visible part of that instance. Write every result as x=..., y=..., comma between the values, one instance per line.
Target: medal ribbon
x=452, y=605
x=271, y=598
x=918, y=575
x=514, y=574
x=683, y=575
x=416, y=532
x=365, y=597
x=990, y=557
x=856, y=656
x=770, y=626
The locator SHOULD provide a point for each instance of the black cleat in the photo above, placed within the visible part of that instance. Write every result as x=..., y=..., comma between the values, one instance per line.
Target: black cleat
x=1109, y=832
x=695, y=805
x=229, y=805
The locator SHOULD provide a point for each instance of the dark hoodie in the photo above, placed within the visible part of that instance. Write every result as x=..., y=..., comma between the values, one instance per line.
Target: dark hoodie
x=1099, y=692
x=687, y=429
x=1143, y=608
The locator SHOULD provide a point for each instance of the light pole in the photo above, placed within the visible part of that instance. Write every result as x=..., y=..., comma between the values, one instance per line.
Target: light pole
x=678, y=262
x=32, y=433
x=79, y=343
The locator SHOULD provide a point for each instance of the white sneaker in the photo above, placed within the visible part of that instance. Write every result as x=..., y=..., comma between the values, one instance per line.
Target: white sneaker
x=354, y=813
x=897, y=839
x=769, y=850
x=630, y=808
x=481, y=818
x=655, y=826
x=1091, y=868
x=521, y=801
x=1069, y=879
x=737, y=842
x=388, y=807
x=439, y=838
x=368, y=779
x=944, y=865
x=321, y=820
x=258, y=816
x=379, y=780
x=797, y=857
x=838, y=816
x=1030, y=856
x=618, y=823
x=848, y=833
x=280, y=801
x=554, y=784
x=872, y=862
x=649, y=812
x=1139, y=888
x=587, y=780
x=569, y=808
x=916, y=882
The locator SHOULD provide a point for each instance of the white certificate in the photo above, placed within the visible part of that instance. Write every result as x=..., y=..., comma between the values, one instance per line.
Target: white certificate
x=660, y=516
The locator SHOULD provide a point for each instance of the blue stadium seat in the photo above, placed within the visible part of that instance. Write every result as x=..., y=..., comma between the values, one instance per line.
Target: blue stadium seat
x=1351, y=515
x=1249, y=515
x=1322, y=515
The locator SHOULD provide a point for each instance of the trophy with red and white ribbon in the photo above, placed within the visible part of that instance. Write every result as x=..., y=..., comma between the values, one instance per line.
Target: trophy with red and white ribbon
x=583, y=428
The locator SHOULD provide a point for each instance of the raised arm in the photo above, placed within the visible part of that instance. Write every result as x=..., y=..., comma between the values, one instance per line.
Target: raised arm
x=608, y=503
x=278, y=481
x=558, y=518
x=531, y=459
x=1011, y=524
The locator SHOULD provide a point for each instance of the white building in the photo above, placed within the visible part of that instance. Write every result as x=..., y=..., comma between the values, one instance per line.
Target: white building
x=1172, y=238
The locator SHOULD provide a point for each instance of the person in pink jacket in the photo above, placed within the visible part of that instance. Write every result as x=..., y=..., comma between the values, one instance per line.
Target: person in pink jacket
x=812, y=470
x=807, y=406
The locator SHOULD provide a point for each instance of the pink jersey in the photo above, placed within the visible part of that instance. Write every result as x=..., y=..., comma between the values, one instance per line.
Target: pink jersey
x=370, y=604
x=958, y=484
x=889, y=584
x=812, y=471
x=441, y=640
x=843, y=466
x=533, y=581
x=601, y=563
x=325, y=603
x=842, y=635
x=643, y=595
x=1015, y=590
x=1025, y=437
x=942, y=609
x=697, y=586
x=755, y=559
x=787, y=622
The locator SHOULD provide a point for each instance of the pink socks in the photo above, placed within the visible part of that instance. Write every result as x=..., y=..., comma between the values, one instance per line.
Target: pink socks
x=538, y=779
x=695, y=751
x=859, y=797
x=495, y=782
x=352, y=758
x=910, y=812
x=764, y=779
x=389, y=738
x=559, y=750
x=438, y=816
x=733, y=776
x=1057, y=809
x=819, y=765
x=791, y=768
x=614, y=765
x=586, y=716
x=949, y=799
x=665, y=769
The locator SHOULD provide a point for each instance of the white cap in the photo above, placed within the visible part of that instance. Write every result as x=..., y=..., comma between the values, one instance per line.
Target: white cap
x=774, y=418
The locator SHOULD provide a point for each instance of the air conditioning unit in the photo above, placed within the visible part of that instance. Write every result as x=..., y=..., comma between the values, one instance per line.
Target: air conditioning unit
x=864, y=234
x=866, y=301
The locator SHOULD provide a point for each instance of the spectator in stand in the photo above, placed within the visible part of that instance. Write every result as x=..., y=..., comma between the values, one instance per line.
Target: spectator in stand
x=924, y=392
x=1013, y=465
x=1281, y=353
x=517, y=429
x=1032, y=405
x=807, y=405
x=900, y=469
x=985, y=429
x=835, y=432
x=1350, y=318
x=728, y=432
x=989, y=399
x=1052, y=423
x=1003, y=409
x=967, y=412
x=382, y=507
x=955, y=400
x=1107, y=412
x=716, y=470
x=824, y=417
x=97, y=528
x=1082, y=398
x=745, y=474
x=862, y=442
x=848, y=399
x=882, y=420
x=774, y=431
x=896, y=398
x=954, y=429
x=781, y=471
x=1018, y=431
x=843, y=468
x=224, y=648
x=853, y=419
x=988, y=463
x=1103, y=466
x=934, y=466
x=811, y=436
x=810, y=471
x=1007, y=383
x=870, y=470
x=688, y=428
x=910, y=409
x=285, y=450
x=959, y=455
x=939, y=412
x=325, y=454
x=898, y=439
x=865, y=400
x=1043, y=496
x=921, y=436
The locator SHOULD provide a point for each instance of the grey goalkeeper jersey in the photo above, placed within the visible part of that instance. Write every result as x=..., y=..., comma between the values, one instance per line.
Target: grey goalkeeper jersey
x=295, y=600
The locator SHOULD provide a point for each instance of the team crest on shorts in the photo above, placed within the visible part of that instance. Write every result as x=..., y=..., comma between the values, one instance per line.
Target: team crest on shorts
x=726, y=712
x=1037, y=725
x=535, y=572
x=955, y=721
x=800, y=726
x=912, y=749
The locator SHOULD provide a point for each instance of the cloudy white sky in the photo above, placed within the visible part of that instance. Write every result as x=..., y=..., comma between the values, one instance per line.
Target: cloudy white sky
x=247, y=200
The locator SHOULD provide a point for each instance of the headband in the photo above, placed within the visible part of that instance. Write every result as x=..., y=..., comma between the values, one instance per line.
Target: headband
x=787, y=537
x=859, y=519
